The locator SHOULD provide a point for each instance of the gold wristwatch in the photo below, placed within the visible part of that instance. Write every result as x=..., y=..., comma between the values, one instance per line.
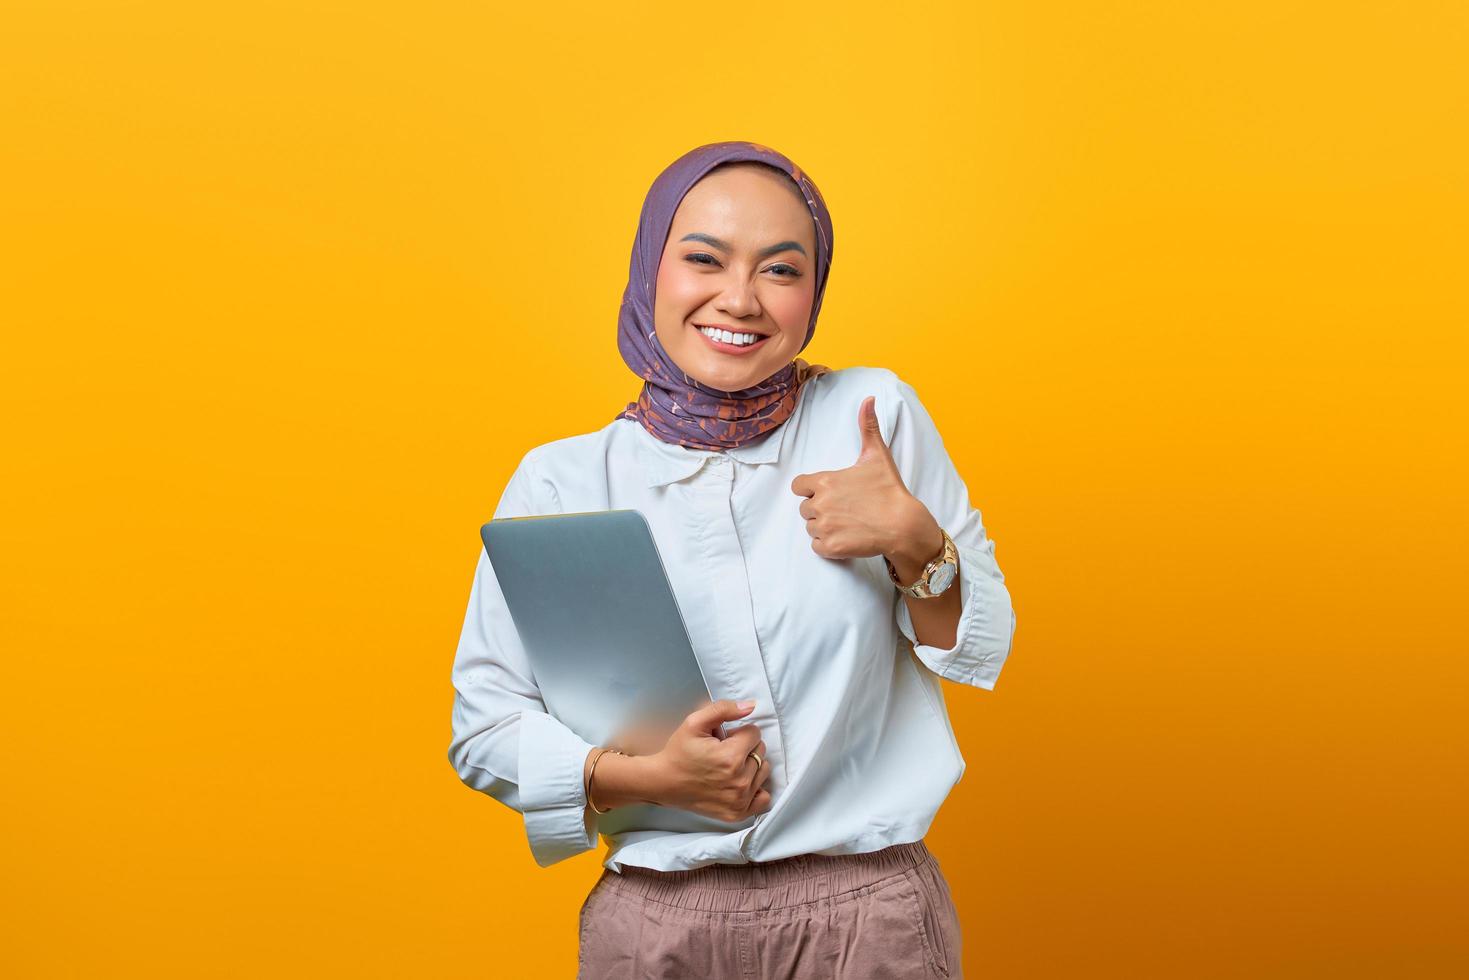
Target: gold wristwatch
x=937, y=575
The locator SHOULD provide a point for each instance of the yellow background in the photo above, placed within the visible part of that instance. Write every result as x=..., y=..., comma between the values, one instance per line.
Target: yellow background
x=288, y=288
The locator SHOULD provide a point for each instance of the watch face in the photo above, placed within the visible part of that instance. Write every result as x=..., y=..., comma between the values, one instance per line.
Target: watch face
x=942, y=578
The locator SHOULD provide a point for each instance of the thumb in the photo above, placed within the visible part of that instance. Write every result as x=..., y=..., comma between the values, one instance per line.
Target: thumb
x=872, y=444
x=708, y=719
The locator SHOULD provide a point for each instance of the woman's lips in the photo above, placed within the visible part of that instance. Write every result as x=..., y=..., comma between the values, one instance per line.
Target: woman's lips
x=721, y=346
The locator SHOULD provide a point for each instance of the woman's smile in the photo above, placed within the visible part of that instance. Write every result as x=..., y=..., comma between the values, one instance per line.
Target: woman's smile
x=730, y=348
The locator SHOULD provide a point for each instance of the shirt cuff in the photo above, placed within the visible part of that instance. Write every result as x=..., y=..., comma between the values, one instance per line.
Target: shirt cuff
x=558, y=822
x=983, y=636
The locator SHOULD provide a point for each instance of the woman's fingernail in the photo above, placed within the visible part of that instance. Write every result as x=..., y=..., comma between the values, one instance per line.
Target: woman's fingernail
x=745, y=704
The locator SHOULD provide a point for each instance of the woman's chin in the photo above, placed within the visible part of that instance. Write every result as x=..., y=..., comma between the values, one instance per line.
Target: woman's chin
x=727, y=378
x=728, y=372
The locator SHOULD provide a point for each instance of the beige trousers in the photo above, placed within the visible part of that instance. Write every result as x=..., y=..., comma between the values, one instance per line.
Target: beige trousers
x=882, y=914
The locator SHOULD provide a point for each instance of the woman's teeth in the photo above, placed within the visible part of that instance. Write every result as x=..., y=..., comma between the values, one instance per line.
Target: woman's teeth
x=741, y=339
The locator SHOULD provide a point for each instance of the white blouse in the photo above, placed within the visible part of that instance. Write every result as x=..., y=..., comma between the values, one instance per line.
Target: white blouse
x=848, y=702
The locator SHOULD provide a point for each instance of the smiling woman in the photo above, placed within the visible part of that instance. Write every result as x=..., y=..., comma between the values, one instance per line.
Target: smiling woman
x=732, y=237
x=800, y=795
x=738, y=262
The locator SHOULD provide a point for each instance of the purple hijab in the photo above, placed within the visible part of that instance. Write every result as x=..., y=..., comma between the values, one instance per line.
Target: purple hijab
x=673, y=406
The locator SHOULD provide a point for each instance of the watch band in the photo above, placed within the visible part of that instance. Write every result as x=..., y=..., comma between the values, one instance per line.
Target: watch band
x=949, y=555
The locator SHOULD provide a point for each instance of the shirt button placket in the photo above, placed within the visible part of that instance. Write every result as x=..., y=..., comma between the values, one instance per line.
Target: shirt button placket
x=735, y=614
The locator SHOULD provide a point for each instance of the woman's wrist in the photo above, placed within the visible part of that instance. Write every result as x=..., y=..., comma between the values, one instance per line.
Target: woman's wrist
x=917, y=541
x=621, y=780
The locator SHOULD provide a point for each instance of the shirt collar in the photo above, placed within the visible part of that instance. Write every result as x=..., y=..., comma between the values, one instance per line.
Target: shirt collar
x=666, y=462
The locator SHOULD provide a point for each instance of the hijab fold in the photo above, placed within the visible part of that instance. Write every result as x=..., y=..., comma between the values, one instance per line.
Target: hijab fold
x=673, y=406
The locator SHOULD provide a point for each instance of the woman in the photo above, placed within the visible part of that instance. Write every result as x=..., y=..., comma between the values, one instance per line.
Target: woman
x=830, y=570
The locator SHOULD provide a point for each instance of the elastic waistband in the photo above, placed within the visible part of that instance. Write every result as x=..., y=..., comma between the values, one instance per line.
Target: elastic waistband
x=764, y=885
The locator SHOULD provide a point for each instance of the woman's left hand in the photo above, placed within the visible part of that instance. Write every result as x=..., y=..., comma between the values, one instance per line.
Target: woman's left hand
x=865, y=509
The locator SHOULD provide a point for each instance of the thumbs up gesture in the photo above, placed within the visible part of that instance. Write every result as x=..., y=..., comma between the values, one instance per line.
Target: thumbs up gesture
x=865, y=509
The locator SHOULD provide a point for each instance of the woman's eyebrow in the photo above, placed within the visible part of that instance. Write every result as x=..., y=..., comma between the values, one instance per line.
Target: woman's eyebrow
x=695, y=236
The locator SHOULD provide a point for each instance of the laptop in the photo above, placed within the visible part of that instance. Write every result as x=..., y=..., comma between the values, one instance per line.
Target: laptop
x=592, y=603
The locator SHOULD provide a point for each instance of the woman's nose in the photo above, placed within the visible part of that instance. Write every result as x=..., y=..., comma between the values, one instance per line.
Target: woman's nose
x=739, y=301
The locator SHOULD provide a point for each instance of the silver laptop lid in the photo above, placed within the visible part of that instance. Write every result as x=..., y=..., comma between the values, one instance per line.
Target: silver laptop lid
x=599, y=622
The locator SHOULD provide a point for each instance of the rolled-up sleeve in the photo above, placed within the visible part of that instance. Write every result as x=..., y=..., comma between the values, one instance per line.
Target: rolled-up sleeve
x=986, y=626
x=504, y=743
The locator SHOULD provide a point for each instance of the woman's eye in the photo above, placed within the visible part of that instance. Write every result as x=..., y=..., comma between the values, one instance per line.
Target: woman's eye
x=704, y=258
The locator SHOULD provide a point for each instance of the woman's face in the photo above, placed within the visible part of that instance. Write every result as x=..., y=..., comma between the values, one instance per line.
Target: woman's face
x=741, y=256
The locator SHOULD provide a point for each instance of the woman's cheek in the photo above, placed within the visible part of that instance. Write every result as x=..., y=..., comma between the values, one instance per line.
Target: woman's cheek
x=677, y=294
x=791, y=308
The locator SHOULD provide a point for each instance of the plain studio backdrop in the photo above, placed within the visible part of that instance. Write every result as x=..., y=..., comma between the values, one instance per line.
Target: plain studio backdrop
x=287, y=289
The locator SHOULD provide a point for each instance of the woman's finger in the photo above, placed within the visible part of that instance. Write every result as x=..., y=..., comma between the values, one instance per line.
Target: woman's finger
x=742, y=740
x=760, y=802
x=759, y=777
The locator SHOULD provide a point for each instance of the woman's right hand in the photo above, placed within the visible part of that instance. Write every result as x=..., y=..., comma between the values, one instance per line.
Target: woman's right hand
x=699, y=771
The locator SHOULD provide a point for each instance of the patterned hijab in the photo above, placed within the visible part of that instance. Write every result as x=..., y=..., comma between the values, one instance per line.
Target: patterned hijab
x=673, y=406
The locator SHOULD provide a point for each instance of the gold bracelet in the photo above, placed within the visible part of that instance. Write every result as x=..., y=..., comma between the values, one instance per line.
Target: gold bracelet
x=592, y=772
